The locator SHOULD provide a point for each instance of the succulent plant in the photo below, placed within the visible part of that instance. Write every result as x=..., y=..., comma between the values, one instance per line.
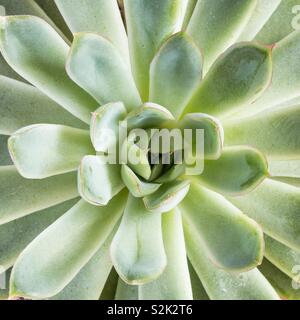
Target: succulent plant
x=73, y=226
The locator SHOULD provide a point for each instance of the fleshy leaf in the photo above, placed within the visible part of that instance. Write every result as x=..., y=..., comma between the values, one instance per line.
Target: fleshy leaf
x=173, y=173
x=97, y=67
x=263, y=11
x=280, y=282
x=150, y=115
x=276, y=132
x=148, y=24
x=281, y=23
x=98, y=180
x=275, y=206
x=222, y=285
x=43, y=150
x=282, y=168
x=289, y=180
x=199, y=292
x=98, y=16
x=20, y=197
x=189, y=12
x=239, y=170
x=167, y=197
x=175, y=73
x=54, y=258
x=135, y=185
x=286, y=74
x=174, y=283
x=5, y=159
x=282, y=257
x=126, y=291
x=231, y=240
x=237, y=78
x=216, y=25
x=22, y=105
x=34, y=50
x=17, y=234
x=90, y=280
x=137, y=249
x=105, y=126
x=213, y=134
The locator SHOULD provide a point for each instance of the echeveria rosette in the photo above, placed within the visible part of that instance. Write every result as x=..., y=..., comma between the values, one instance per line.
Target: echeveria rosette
x=183, y=64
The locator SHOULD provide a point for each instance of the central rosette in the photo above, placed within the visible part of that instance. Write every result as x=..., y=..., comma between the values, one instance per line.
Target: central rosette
x=150, y=152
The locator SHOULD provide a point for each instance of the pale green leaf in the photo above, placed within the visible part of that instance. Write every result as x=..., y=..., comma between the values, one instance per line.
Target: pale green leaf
x=167, y=197
x=42, y=150
x=262, y=13
x=17, y=234
x=240, y=169
x=34, y=49
x=199, y=292
x=231, y=240
x=238, y=78
x=275, y=206
x=175, y=73
x=126, y=291
x=276, y=132
x=98, y=180
x=289, y=180
x=174, y=283
x=216, y=25
x=281, y=23
x=282, y=168
x=148, y=24
x=90, y=280
x=20, y=197
x=22, y=105
x=137, y=249
x=137, y=187
x=54, y=258
x=105, y=126
x=189, y=12
x=98, y=16
x=5, y=159
x=281, y=256
x=222, y=285
x=97, y=67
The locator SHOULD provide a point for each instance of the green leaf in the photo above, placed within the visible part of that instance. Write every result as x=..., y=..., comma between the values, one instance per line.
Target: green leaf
x=280, y=282
x=239, y=170
x=177, y=68
x=135, y=185
x=222, y=285
x=276, y=132
x=54, y=258
x=173, y=173
x=174, y=283
x=22, y=105
x=42, y=150
x=137, y=250
x=5, y=159
x=149, y=23
x=105, y=126
x=275, y=206
x=232, y=241
x=126, y=291
x=281, y=256
x=90, y=280
x=97, y=67
x=216, y=25
x=17, y=234
x=189, y=12
x=20, y=197
x=213, y=134
x=285, y=80
x=280, y=23
x=262, y=13
x=109, y=290
x=98, y=180
x=98, y=16
x=199, y=292
x=289, y=180
x=148, y=116
x=30, y=7
x=34, y=49
x=167, y=197
x=237, y=78
x=4, y=289
x=282, y=168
